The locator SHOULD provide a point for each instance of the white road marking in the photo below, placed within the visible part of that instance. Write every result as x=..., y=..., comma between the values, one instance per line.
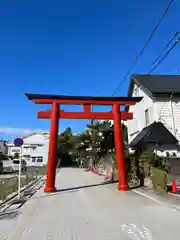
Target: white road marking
x=147, y=196
x=135, y=233
x=160, y=202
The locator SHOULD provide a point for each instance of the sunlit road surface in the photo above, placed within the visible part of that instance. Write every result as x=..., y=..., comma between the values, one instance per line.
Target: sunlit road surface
x=83, y=212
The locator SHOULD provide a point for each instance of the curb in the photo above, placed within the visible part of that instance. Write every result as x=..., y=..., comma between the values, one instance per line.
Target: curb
x=174, y=194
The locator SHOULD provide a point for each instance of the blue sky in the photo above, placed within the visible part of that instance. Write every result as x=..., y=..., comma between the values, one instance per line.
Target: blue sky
x=75, y=48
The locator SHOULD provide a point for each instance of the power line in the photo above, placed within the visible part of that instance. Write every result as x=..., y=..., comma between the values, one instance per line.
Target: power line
x=166, y=46
x=160, y=61
x=175, y=35
x=145, y=45
x=123, y=45
x=164, y=57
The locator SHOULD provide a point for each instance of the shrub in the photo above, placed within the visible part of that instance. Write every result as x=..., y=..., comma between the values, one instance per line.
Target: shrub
x=159, y=179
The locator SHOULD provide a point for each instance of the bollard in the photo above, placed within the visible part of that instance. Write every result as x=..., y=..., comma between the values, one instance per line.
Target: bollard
x=106, y=177
x=174, y=187
x=107, y=174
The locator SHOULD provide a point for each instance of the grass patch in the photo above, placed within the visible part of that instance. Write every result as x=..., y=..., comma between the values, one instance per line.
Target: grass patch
x=10, y=185
x=159, y=179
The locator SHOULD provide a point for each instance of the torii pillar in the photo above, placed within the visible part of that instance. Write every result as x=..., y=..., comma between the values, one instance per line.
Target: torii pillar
x=51, y=170
x=119, y=143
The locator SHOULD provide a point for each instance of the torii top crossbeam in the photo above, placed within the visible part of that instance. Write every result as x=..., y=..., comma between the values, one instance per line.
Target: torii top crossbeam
x=80, y=100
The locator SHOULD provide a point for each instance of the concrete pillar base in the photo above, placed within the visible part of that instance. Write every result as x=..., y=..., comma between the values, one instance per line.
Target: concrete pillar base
x=49, y=190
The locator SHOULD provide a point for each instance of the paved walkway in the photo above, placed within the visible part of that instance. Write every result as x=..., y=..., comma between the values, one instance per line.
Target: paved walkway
x=80, y=211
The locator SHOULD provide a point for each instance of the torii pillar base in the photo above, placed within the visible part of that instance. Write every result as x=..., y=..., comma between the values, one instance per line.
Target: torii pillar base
x=123, y=187
x=50, y=190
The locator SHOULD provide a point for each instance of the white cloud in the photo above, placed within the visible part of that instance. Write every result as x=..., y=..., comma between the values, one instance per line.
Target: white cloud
x=18, y=131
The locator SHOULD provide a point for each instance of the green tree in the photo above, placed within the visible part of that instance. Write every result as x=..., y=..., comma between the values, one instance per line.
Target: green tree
x=65, y=142
x=95, y=142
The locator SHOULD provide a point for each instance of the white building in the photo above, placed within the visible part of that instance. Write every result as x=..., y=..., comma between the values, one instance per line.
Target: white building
x=157, y=114
x=34, y=150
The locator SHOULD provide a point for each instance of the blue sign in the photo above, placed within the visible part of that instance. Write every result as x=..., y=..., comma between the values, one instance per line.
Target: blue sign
x=18, y=142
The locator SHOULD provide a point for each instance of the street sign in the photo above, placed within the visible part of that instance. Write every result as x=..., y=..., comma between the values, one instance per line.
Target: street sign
x=18, y=142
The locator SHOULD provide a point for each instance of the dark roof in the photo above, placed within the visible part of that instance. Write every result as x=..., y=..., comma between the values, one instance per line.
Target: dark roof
x=155, y=133
x=64, y=97
x=157, y=85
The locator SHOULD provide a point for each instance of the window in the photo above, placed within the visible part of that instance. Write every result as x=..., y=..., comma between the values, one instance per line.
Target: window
x=26, y=149
x=16, y=162
x=27, y=157
x=40, y=145
x=15, y=150
x=39, y=159
x=146, y=117
x=174, y=154
x=33, y=149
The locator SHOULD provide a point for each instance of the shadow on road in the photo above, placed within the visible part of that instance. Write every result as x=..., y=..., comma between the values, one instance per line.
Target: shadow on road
x=85, y=186
x=134, y=187
x=75, y=189
x=9, y=215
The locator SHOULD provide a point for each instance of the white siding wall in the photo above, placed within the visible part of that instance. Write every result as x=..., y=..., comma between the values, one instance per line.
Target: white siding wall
x=164, y=114
x=39, y=150
x=36, y=138
x=159, y=110
x=139, y=121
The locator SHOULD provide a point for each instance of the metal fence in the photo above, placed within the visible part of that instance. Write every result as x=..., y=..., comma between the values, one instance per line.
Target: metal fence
x=9, y=185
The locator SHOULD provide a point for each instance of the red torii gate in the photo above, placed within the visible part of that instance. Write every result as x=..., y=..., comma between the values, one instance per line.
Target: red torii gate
x=116, y=114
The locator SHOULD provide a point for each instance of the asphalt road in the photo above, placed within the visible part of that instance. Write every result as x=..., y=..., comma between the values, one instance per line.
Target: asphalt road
x=83, y=208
